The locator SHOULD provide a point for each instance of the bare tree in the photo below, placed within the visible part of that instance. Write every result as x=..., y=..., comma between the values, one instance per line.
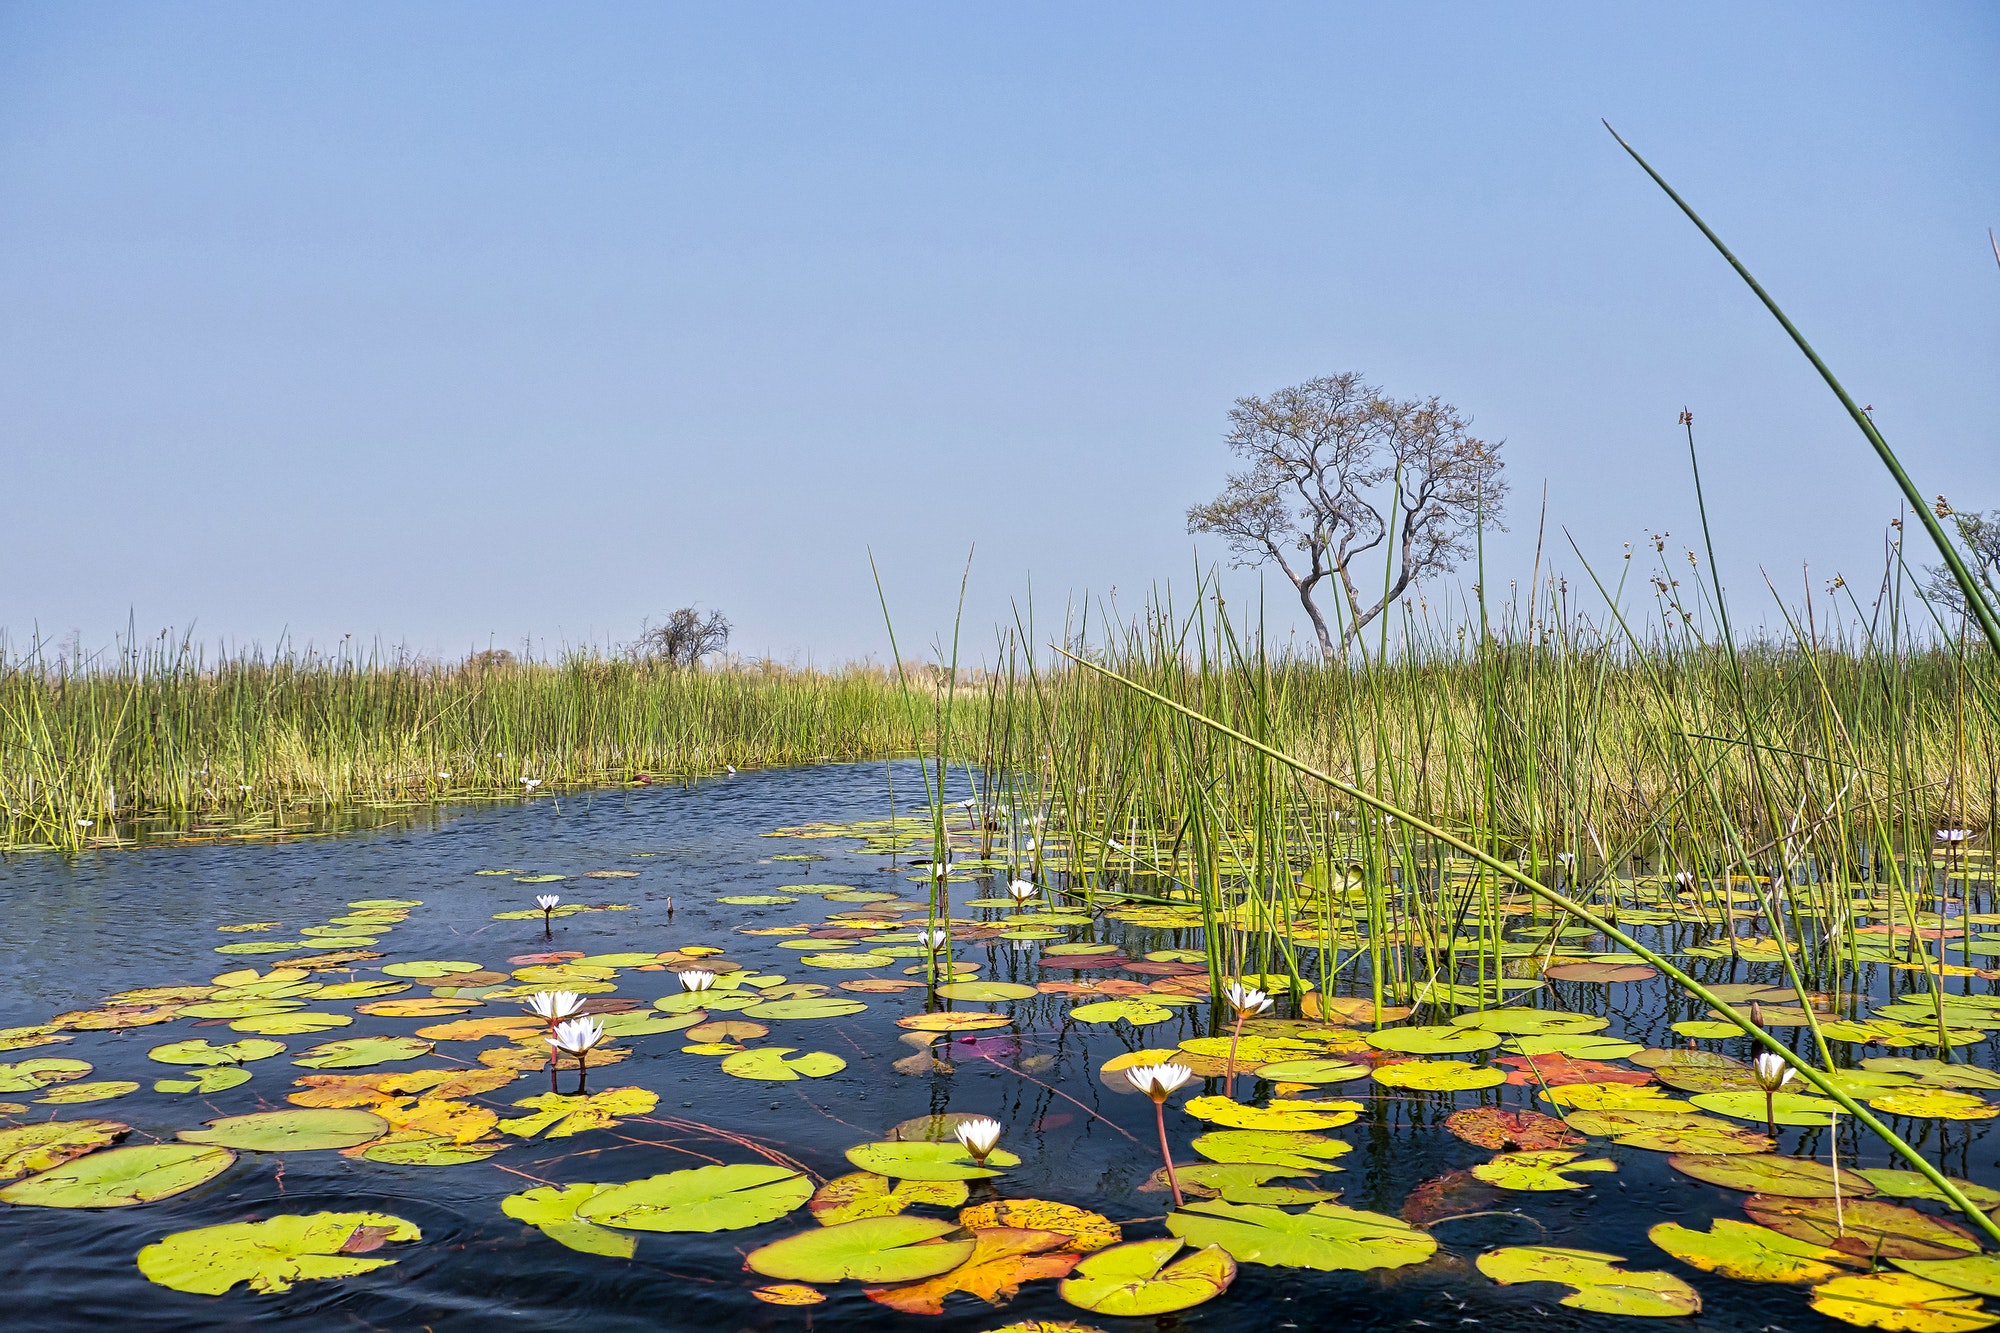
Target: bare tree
x=1979, y=543
x=683, y=638
x=1333, y=463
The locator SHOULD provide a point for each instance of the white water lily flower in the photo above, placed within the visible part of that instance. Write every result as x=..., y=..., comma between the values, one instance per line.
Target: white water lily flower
x=85, y=823
x=548, y=901
x=1247, y=1001
x=932, y=939
x=978, y=1137
x=531, y=783
x=1022, y=890
x=1953, y=835
x=939, y=869
x=554, y=1005
x=697, y=979
x=1158, y=1081
x=1772, y=1072
x=577, y=1035
x=444, y=773
x=730, y=767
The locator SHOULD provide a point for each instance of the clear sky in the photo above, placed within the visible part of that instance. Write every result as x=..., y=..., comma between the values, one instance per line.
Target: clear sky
x=454, y=323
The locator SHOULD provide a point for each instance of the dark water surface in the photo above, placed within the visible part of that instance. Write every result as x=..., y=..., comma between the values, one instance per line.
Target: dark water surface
x=77, y=930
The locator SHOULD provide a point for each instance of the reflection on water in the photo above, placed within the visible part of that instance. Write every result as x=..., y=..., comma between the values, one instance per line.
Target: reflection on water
x=76, y=930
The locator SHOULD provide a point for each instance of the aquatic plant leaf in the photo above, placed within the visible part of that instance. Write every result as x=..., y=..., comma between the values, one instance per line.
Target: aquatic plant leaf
x=1499, y=1129
x=1439, y=1040
x=1695, y=1140
x=848, y=961
x=986, y=992
x=1864, y=1227
x=705, y=1198
x=1085, y=1231
x=1915, y=1185
x=1435, y=1075
x=1285, y=1115
x=290, y=1025
x=1582, y=1045
x=429, y=1006
x=1560, y=1070
x=1603, y=973
x=1139, y=1013
x=1326, y=1237
x=1002, y=1259
x=788, y=1293
x=290, y=1131
x=121, y=1177
x=1538, y=1172
x=1977, y=1273
x=1749, y=1253
x=769, y=1064
x=952, y=1022
x=1937, y=1072
x=727, y=1030
x=865, y=1194
x=1598, y=1284
x=880, y=985
x=1312, y=1071
x=1934, y=1104
x=563, y=1116
x=41, y=1072
x=1612, y=1097
x=361, y=1052
x=824, y=1006
x=479, y=1029
x=1135, y=1279
x=199, y=1051
x=1765, y=1173
x=23, y=1038
x=410, y=1148
x=1731, y=1077
x=1787, y=1108
x=920, y=1160
x=272, y=1254
x=1309, y=1152
x=1902, y=1302
x=76, y=1094
x=26, y=1149
x=427, y=968
x=1526, y=1022
x=551, y=1210
x=871, y=1249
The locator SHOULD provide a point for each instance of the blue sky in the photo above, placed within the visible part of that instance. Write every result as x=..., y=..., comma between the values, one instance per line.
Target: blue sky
x=444, y=324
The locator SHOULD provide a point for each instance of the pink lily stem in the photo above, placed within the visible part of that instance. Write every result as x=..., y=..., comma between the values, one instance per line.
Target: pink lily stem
x=1770, y=1115
x=552, y=1069
x=1229, y=1075
x=1173, y=1181
x=582, y=1070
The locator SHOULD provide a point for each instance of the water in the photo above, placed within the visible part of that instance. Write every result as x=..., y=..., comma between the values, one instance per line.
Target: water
x=77, y=930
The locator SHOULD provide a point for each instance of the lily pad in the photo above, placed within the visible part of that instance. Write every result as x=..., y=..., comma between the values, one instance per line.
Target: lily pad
x=1326, y=1237
x=290, y=1131
x=1084, y=1230
x=429, y=968
x=871, y=1249
x=986, y=992
x=1312, y=1071
x=361, y=1052
x=1938, y=1073
x=919, y=1160
x=1934, y=1104
x=76, y=1094
x=1787, y=1108
x=1863, y=1227
x=562, y=1116
x=1135, y=1279
x=1749, y=1253
x=121, y=1177
x=705, y=1198
x=1002, y=1259
x=865, y=1194
x=31, y=1075
x=1901, y=1301
x=291, y=1025
x=1598, y=1284
x=1499, y=1129
x=953, y=1022
x=1764, y=1173
x=272, y=1254
x=769, y=1064
x=1308, y=1152
x=1915, y=1185
x=1538, y=1172
x=199, y=1051
x=1139, y=1013
x=26, y=1149
x=1978, y=1273
x=1525, y=1022
x=1443, y=1040
x=1281, y=1115
x=551, y=1210
x=1436, y=1075
x=826, y=1006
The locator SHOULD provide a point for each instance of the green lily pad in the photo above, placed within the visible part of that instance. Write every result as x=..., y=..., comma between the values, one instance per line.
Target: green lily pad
x=1538, y=1172
x=1326, y=1237
x=1938, y=1073
x=121, y=1177
x=848, y=962
x=1598, y=1284
x=32, y=1075
x=199, y=1051
x=301, y=1130
x=1138, y=1013
x=47, y=1144
x=871, y=1249
x=1531, y=1022
x=1134, y=1279
x=1581, y=1045
x=925, y=1161
x=562, y=1116
x=1280, y=1115
x=1433, y=1040
x=427, y=968
x=1915, y=1185
x=769, y=1064
x=76, y=1094
x=1979, y=1274
x=291, y=1025
x=986, y=992
x=1787, y=1108
x=551, y=1210
x=1312, y=1071
x=1437, y=1075
x=1900, y=1301
x=1934, y=1104
x=1862, y=1227
x=705, y=1198
x=361, y=1052
x=865, y=1194
x=273, y=1254
x=1749, y=1253
x=816, y=1006
x=1307, y=1152
x=1764, y=1173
